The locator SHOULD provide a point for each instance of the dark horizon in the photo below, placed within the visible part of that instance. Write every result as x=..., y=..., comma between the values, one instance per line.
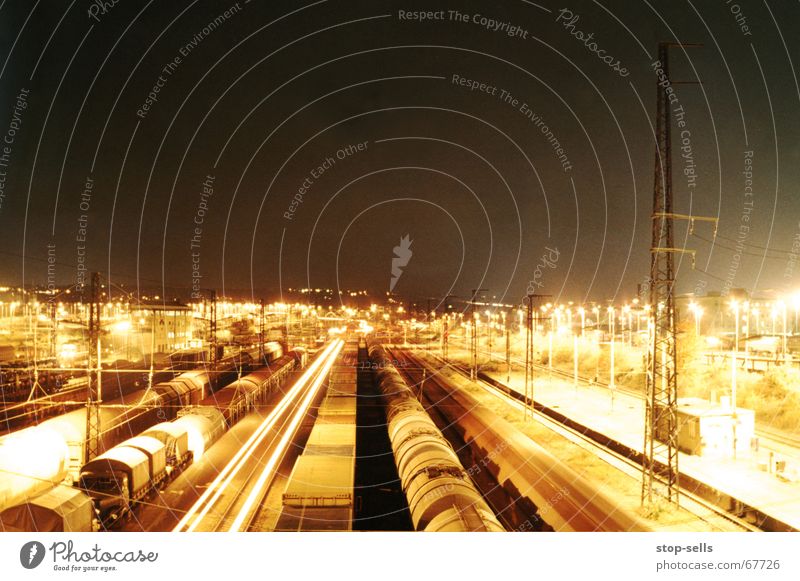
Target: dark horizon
x=239, y=146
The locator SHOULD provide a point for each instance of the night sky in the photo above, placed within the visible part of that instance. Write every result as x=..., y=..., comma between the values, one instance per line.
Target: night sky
x=259, y=146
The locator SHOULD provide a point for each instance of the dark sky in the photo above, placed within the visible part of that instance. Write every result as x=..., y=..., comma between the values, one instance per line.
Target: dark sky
x=264, y=95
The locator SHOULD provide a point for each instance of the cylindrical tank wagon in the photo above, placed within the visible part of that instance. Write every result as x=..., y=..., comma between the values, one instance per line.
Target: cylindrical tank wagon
x=440, y=494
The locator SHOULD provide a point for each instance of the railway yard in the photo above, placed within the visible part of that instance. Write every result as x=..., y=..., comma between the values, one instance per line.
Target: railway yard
x=355, y=432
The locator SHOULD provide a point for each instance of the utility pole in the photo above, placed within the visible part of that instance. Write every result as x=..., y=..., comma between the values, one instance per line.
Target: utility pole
x=661, y=400
x=445, y=336
x=212, y=328
x=489, y=326
x=288, y=324
x=508, y=353
x=575, y=359
x=473, y=368
x=54, y=330
x=261, y=325
x=94, y=364
x=151, y=373
x=530, y=353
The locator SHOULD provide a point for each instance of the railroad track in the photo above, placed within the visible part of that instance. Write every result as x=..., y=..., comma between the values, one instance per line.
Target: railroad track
x=777, y=436
x=619, y=454
x=232, y=501
x=539, y=485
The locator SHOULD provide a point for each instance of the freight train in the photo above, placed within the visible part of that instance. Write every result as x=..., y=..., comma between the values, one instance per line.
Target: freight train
x=241, y=396
x=140, y=466
x=320, y=493
x=61, y=392
x=35, y=459
x=440, y=493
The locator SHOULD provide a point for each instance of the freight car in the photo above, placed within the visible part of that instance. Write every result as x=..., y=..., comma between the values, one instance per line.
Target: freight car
x=240, y=397
x=272, y=352
x=176, y=444
x=119, y=479
x=60, y=509
x=320, y=493
x=62, y=392
x=203, y=428
x=123, y=476
x=533, y=478
x=441, y=496
x=35, y=459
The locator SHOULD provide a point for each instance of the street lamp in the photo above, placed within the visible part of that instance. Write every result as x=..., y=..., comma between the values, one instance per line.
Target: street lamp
x=757, y=315
x=550, y=356
x=747, y=333
x=575, y=357
x=697, y=311
x=626, y=324
x=735, y=307
x=773, y=315
x=782, y=307
x=612, y=383
x=582, y=313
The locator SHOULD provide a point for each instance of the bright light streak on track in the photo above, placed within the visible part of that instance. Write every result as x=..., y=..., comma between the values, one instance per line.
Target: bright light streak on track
x=200, y=509
x=287, y=435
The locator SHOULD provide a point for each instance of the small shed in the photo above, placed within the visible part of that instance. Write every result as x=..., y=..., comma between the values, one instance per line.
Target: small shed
x=707, y=429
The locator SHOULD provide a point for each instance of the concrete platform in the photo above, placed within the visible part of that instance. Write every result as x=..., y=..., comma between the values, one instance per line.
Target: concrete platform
x=623, y=420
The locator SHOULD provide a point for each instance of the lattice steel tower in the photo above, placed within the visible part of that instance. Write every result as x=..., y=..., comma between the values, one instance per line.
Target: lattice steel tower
x=661, y=401
x=94, y=366
x=660, y=466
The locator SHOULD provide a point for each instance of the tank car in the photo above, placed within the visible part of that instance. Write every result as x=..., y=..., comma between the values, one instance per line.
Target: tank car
x=440, y=493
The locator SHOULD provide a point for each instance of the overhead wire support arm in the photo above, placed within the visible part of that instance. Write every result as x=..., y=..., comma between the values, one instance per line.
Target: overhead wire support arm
x=688, y=251
x=691, y=219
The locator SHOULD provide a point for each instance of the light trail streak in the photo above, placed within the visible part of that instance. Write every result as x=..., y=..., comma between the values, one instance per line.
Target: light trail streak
x=288, y=434
x=200, y=509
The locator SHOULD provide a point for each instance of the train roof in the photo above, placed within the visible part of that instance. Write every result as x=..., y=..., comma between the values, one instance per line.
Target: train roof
x=176, y=386
x=222, y=398
x=149, y=444
x=318, y=481
x=196, y=375
x=332, y=440
x=119, y=455
x=60, y=509
x=170, y=428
